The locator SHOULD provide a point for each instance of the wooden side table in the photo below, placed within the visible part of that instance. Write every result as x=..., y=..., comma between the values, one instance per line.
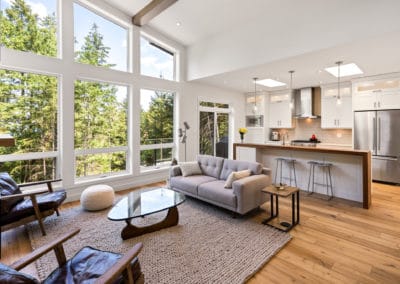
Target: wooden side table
x=287, y=191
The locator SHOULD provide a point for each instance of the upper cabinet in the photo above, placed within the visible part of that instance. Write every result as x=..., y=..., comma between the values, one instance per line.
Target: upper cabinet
x=377, y=94
x=281, y=110
x=334, y=114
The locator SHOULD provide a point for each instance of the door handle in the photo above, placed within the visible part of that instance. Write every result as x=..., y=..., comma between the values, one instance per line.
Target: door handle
x=374, y=104
x=374, y=134
x=379, y=104
x=379, y=133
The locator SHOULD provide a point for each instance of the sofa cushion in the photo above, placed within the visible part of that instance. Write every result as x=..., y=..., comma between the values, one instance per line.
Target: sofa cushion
x=210, y=165
x=215, y=191
x=11, y=276
x=190, y=183
x=235, y=166
x=8, y=187
x=235, y=176
x=190, y=169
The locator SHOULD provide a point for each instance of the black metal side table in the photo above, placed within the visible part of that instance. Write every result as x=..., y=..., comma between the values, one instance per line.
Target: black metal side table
x=287, y=191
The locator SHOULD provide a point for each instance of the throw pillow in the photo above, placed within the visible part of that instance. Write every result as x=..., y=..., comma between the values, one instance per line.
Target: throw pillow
x=190, y=169
x=235, y=176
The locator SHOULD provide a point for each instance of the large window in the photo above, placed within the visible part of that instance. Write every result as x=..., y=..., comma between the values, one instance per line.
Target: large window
x=28, y=111
x=101, y=130
x=156, y=128
x=29, y=25
x=156, y=60
x=98, y=41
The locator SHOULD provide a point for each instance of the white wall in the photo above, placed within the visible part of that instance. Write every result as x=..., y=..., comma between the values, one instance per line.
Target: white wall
x=189, y=111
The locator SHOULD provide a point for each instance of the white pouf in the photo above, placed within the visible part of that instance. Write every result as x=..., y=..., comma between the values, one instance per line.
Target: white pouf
x=97, y=197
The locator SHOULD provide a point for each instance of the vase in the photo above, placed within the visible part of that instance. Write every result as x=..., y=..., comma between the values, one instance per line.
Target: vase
x=241, y=137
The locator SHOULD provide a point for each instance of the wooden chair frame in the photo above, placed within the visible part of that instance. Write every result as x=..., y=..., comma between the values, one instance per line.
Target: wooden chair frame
x=123, y=264
x=39, y=215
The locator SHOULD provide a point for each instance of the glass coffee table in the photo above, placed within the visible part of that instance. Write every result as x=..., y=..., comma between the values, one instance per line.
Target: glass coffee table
x=144, y=202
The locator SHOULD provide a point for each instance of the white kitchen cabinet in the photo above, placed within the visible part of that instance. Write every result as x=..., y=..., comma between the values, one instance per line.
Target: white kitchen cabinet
x=334, y=115
x=377, y=94
x=280, y=110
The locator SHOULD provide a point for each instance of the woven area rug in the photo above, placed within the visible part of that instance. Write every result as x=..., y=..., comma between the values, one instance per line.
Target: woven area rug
x=207, y=246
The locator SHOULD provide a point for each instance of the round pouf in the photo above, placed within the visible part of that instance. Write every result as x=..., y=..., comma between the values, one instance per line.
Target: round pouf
x=97, y=197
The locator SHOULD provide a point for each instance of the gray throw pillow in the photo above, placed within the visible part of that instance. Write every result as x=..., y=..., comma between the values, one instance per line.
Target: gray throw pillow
x=190, y=169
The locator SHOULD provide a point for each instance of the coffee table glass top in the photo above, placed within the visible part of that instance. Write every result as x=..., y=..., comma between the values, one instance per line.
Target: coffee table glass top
x=144, y=202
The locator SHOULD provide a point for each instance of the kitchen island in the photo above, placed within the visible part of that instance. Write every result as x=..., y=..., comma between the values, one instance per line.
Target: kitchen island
x=351, y=171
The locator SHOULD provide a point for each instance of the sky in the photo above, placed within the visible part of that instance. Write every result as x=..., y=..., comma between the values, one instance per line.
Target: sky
x=154, y=62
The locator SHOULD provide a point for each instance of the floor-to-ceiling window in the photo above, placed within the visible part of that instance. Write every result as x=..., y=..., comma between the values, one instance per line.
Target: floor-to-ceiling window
x=214, y=129
x=94, y=99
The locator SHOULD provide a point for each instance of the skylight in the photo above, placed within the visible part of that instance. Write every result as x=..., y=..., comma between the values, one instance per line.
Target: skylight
x=270, y=83
x=345, y=70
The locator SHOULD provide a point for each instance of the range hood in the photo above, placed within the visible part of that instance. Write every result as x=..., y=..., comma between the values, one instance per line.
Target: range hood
x=307, y=102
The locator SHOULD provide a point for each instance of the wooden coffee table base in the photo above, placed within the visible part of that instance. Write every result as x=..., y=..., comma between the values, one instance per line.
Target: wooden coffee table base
x=170, y=220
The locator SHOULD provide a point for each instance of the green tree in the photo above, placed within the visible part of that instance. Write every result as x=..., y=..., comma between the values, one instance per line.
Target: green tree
x=157, y=127
x=100, y=119
x=28, y=101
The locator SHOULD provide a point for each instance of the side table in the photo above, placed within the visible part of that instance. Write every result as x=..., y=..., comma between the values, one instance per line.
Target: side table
x=287, y=191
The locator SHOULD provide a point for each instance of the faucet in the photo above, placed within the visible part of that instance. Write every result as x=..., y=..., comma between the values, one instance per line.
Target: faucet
x=285, y=135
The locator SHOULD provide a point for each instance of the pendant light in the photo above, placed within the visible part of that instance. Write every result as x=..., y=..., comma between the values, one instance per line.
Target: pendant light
x=255, y=95
x=291, y=87
x=338, y=100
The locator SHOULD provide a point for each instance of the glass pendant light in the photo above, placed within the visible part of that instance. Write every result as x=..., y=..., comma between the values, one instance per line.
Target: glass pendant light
x=255, y=95
x=338, y=99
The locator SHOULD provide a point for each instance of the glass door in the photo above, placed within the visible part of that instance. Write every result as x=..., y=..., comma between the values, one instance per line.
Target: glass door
x=214, y=133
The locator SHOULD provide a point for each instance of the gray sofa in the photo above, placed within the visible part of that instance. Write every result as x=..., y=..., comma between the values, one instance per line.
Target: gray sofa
x=245, y=193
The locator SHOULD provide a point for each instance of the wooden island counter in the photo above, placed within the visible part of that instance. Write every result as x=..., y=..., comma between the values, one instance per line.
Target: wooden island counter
x=351, y=171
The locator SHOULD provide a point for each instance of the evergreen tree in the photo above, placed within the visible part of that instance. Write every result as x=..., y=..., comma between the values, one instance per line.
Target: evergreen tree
x=28, y=101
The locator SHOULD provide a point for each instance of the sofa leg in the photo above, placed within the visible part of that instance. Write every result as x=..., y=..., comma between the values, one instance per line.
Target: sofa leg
x=234, y=215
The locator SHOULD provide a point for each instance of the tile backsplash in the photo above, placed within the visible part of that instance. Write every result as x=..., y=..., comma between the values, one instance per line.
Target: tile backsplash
x=305, y=128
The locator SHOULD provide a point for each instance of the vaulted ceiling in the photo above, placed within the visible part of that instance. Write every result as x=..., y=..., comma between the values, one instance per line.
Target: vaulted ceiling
x=229, y=41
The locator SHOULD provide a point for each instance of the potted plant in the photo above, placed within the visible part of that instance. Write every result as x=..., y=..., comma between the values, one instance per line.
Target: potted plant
x=242, y=132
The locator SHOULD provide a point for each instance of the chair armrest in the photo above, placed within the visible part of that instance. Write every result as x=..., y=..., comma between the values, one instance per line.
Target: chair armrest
x=48, y=182
x=123, y=264
x=175, y=171
x=43, y=250
x=25, y=193
x=38, y=182
x=266, y=171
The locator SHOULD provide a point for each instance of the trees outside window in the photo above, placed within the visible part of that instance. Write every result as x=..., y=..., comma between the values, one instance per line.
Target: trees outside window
x=156, y=127
x=28, y=26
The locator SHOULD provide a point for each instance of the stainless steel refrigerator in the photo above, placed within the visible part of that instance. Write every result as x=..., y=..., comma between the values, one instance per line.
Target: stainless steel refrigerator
x=379, y=132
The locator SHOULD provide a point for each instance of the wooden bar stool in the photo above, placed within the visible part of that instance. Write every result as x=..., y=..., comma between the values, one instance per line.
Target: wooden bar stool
x=290, y=162
x=326, y=178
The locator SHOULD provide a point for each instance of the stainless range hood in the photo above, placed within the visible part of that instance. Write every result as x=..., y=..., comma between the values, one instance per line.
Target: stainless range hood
x=307, y=103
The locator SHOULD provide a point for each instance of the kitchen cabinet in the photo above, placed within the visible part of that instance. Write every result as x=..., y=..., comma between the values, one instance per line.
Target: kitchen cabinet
x=281, y=110
x=377, y=94
x=334, y=115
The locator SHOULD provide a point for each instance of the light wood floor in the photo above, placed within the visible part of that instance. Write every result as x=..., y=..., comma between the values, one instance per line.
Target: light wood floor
x=336, y=241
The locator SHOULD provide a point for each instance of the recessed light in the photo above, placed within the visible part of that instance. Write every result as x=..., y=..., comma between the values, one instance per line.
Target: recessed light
x=345, y=70
x=270, y=83
x=178, y=24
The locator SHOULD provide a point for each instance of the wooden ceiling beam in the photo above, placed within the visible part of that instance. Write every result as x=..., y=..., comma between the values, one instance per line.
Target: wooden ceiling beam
x=151, y=10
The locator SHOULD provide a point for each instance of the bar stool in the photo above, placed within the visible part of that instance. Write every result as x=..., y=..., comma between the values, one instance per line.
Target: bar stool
x=291, y=166
x=326, y=178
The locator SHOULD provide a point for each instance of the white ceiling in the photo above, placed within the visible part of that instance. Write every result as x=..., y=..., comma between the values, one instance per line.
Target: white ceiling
x=229, y=41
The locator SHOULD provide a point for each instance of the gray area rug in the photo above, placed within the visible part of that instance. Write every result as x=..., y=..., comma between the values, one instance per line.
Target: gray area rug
x=207, y=246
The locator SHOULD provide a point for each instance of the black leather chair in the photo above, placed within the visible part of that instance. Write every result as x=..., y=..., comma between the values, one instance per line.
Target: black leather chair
x=89, y=265
x=19, y=208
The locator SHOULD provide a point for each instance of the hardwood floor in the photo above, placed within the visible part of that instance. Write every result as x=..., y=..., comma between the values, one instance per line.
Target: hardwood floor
x=336, y=241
